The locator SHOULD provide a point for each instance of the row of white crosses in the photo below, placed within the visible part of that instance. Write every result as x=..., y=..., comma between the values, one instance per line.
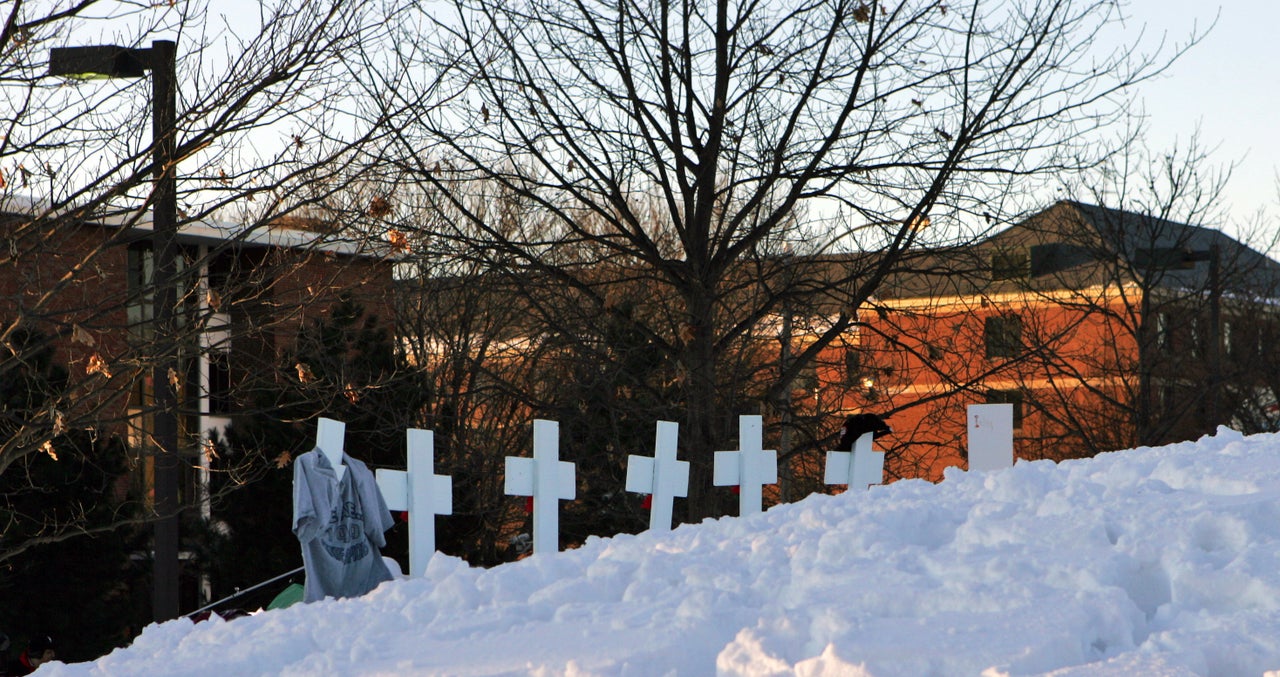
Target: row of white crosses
x=548, y=480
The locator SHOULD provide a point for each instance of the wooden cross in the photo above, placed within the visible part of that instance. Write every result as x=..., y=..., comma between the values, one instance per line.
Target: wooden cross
x=990, y=436
x=420, y=492
x=547, y=479
x=859, y=468
x=750, y=468
x=662, y=477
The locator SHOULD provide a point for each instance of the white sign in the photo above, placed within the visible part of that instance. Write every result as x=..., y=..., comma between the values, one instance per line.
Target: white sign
x=859, y=468
x=420, y=492
x=547, y=479
x=990, y=436
x=663, y=477
x=749, y=468
x=330, y=440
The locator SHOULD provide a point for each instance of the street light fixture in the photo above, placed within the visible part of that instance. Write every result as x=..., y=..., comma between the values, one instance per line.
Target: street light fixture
x=111, y=61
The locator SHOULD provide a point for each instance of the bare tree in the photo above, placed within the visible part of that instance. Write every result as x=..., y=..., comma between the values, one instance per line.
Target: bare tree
x=268, y=228
x=483, y=359
x=684, y=138
x=1186, y=310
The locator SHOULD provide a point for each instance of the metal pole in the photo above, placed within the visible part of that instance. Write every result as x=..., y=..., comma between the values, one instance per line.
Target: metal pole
x=166, y=373
x=784, y=440
x=1215, y=336
x=249, y=589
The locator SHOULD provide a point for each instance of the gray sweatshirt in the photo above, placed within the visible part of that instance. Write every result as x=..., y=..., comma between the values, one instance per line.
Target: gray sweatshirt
x=340, y=526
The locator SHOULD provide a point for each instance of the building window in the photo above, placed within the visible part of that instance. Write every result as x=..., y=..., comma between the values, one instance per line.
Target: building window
x=217, y=350
x=1055, y=257
x=852, y=366
x=1164, y=334
x=219, y=383
x=807, y=380
x=1013, y=397
x=1002, y=336
x=140, y=310
x=141, y=270
x=1010, y=264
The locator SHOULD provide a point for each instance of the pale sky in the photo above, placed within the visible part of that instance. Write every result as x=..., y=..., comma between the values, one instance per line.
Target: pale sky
x=1229, y=85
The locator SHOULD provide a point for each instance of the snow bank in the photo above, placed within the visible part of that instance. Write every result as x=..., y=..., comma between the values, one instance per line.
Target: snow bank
x=1161, y=561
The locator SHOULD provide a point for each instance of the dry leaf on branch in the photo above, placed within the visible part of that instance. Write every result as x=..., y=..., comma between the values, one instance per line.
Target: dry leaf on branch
x=210, y=450
x=379, y=207
x=399, y=241
x=304, y=372
x=79, y=335
x=97, y=365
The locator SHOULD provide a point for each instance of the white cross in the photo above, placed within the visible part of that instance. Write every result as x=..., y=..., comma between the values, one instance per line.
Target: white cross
x=860, y=468
x=990, y=436
x=750, y=468
x=662, y=477
x=420, y=492
x=330, y=439
x=547, y=479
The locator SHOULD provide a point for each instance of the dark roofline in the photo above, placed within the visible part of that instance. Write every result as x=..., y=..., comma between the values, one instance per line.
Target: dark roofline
x=210, y=231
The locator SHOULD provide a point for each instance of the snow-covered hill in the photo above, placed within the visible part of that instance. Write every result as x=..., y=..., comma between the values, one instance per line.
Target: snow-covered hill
x=1161, y=561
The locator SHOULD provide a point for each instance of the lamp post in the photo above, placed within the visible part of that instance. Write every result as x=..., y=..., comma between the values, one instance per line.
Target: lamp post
x=110, y=61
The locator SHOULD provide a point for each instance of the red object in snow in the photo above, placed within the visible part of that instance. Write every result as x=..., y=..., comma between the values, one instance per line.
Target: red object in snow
x=403, y=516
x=528, y=505
x=647, y=503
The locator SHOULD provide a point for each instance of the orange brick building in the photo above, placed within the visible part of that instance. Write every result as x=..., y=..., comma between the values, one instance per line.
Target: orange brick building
x=1105, y=329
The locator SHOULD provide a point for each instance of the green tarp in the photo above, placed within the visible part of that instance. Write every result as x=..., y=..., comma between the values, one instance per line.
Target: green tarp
x=287, y=597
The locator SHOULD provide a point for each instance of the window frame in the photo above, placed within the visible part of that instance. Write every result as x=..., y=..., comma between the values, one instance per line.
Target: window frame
x=1002, y=336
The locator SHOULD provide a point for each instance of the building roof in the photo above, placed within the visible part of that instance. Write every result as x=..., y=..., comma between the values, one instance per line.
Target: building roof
x=1072, y=245
x=1162, y=252
x=287, y=233
x=1133, y=236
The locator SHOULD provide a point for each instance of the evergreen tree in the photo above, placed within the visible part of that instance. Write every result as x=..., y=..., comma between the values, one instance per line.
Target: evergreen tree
x=344, y=367
x=85, y=591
